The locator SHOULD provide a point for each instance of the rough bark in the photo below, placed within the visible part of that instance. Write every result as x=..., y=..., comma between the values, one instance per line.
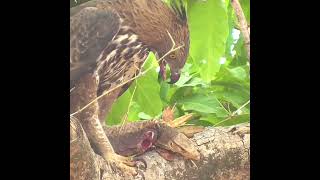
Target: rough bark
x=225, y=154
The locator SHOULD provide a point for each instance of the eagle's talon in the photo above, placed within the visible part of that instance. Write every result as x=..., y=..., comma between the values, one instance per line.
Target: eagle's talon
x=124, y=164
x=141, y=174
x=137, y=159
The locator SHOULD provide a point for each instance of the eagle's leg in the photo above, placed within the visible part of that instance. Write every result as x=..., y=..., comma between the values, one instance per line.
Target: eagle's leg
x=105, y=104
x=84, y=93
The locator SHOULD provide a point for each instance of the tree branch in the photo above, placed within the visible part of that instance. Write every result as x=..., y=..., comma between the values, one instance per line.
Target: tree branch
x=224, y=155
x=242, y=24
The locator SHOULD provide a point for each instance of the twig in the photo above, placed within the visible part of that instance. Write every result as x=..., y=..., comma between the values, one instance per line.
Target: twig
x=229, y=107
x=125, y=82
x=236, y=111
x=131, y=98
x=232, y=115
x=222, y=106
x=129, y=106
x=242, y=24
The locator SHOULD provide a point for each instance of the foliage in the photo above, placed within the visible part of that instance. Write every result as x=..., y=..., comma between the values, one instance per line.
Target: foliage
x=215, y=82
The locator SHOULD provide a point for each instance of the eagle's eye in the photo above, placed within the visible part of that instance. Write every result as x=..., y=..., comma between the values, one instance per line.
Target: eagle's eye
x=172, y=56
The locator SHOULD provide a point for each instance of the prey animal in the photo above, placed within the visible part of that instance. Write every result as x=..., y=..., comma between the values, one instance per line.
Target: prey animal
x=131, y=140
x=135, y=138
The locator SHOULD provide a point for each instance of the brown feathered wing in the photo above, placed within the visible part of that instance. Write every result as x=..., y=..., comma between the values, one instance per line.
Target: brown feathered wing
x=91, y=30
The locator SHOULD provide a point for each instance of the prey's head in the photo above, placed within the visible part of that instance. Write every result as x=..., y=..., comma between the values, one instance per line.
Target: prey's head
x=170, y=139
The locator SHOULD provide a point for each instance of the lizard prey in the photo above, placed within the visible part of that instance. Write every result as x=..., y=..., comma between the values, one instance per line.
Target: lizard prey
x=130, y=141
x=136, y=138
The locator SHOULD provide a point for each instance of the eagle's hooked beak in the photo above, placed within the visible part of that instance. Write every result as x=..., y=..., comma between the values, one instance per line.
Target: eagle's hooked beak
x=175, y=74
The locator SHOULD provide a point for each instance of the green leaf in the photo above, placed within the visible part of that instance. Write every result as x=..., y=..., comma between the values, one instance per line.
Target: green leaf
x=200, y=122
x=200, y=103
x=237, y=98
x=241, y=57
x=143, y=115
x=211, y=118
x=147, y=93
x=234, y=75
x=164, y=89
x=120, y=107
x=146, y=97
x=181, y=93
x=238, y=119
x=232, y=85
x=208, y=22
x=185, y=77
x=221, y=112
x=216, y=121
x=195, y=82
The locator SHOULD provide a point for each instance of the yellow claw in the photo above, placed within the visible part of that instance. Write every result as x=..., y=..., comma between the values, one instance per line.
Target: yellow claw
x=124, y=164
